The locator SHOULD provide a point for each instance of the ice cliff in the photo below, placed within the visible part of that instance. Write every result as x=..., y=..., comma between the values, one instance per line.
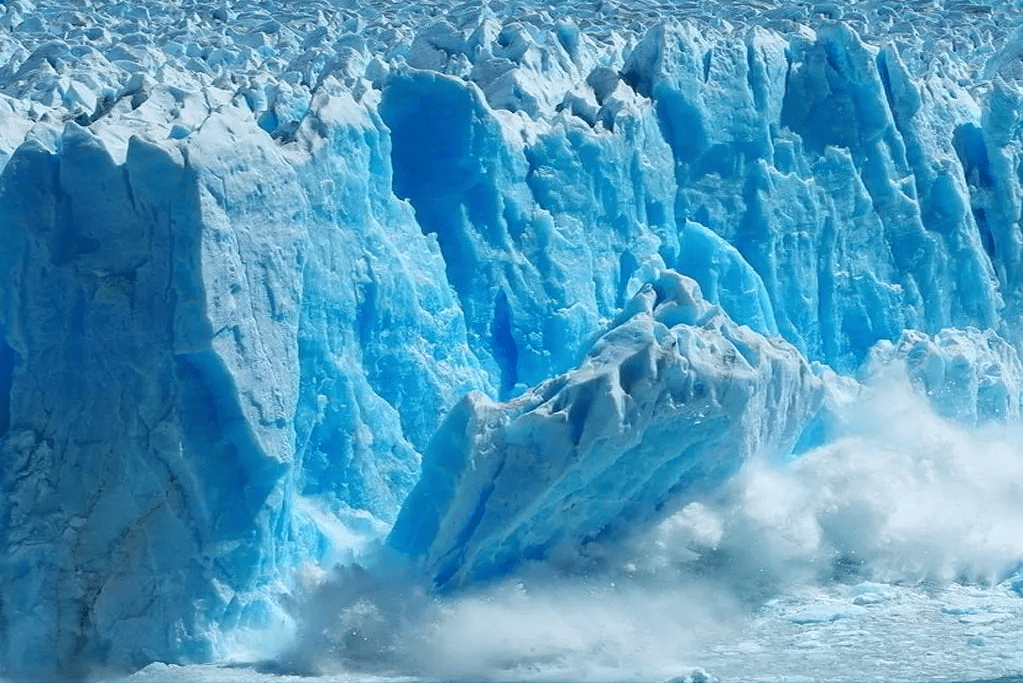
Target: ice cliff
x=266, y=266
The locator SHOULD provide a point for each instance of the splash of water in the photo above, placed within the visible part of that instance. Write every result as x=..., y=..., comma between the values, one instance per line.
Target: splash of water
x=903, y=497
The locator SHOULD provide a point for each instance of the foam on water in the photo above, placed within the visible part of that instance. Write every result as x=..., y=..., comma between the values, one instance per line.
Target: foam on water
x=904, y=496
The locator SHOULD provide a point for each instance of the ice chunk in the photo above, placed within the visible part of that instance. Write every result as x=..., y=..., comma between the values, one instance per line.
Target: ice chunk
x=228, y=344
x=667, y=405
x=154, y=467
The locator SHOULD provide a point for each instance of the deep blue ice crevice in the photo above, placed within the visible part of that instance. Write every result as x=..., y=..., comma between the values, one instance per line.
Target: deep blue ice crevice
x=999, y=197
x=535, y=216
x=9, y=361
x=970, y=148
x=450, y=167
x=383, y=348
x=665, y=407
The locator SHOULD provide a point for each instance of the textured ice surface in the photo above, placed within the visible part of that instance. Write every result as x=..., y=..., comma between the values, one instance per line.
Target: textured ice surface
x=969, y=375
x=254, y=254
x=668, y=403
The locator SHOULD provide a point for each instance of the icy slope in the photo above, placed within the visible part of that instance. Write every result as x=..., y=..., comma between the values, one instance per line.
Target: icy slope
x=253, y=253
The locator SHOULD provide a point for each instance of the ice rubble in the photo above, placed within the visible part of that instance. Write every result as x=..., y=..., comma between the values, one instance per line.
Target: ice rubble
x=253, y=253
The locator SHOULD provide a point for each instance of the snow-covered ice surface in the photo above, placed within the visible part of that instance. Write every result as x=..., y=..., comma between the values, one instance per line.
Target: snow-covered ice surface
x=619, y=341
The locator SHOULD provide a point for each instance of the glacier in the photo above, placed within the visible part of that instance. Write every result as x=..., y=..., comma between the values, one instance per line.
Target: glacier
x=474, y=288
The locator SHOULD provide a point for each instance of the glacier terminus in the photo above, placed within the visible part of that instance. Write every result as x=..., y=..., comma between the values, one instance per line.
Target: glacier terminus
x=331, y=330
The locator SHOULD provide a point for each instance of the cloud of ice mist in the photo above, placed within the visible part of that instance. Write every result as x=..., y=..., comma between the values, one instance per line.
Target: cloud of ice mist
x=533, y=627
x=902, y=496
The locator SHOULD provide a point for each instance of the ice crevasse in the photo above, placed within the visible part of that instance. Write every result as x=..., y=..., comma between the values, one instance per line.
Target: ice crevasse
x=281, y=281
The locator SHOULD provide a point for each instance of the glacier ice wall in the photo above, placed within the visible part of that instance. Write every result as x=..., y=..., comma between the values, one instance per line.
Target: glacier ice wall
x=254, y=253
x=184, y=413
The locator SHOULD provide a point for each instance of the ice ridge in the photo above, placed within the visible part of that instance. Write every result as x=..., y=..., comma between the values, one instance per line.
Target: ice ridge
x=256, y=255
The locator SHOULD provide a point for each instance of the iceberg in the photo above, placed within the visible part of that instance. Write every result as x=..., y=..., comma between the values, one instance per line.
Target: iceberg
x=285, y=285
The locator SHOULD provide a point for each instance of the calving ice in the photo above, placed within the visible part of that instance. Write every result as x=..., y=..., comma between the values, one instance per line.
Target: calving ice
x=331, y=330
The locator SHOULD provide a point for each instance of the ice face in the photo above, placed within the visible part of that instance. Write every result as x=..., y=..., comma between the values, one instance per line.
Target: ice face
x=256, y=257
x=968, y=375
